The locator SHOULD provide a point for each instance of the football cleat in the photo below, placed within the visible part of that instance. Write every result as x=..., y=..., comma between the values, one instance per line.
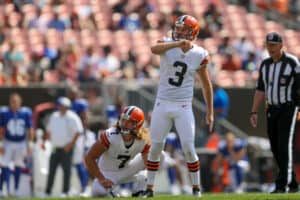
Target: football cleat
x=277, y=191
x=197, y=192
x=148, y=193
x=138, y=194
x=112, y=194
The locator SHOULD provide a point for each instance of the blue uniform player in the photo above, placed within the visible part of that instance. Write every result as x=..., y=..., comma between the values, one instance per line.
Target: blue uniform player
x=15, y=129
x=233, y=151
x=83, y=143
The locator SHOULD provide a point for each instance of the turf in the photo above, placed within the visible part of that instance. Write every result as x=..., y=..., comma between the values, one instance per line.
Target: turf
x=248, y=196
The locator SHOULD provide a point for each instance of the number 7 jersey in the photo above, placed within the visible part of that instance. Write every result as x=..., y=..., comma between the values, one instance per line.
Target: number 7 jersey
x=177, y=73
x=117, y=156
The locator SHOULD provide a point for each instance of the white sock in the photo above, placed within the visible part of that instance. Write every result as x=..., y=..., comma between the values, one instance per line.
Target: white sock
x=151, y=177
x=195, y=178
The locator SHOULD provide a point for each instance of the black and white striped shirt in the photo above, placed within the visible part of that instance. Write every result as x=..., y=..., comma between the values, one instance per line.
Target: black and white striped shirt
x=279, y=79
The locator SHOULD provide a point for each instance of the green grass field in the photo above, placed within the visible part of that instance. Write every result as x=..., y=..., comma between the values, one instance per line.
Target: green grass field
x=249, y=196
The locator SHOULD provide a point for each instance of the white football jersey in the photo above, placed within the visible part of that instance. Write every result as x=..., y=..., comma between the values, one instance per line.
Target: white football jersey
x=117, y=156
x=177, y=71
x=83, y=142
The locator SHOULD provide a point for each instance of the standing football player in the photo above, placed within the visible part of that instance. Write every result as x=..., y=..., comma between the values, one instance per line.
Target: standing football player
x=180, y=60
x=15, y=129
x=122, y=155
x=83, y=143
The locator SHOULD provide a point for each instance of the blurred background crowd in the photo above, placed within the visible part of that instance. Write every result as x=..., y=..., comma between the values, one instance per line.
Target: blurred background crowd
x=51, y=41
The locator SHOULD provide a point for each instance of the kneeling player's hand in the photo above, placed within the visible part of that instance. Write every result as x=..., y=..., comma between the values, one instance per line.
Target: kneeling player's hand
x=106, y=183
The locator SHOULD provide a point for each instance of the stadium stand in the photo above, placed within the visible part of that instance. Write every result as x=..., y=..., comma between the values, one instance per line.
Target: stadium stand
x=47, y=42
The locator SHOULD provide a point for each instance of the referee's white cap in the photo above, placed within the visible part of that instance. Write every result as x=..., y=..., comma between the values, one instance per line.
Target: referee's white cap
x=64, y=101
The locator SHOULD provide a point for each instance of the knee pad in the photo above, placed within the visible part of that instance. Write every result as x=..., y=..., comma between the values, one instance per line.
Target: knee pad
x=155, y=151
x=189, y=151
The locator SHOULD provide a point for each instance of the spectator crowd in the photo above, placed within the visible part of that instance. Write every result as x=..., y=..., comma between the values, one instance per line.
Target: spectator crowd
x=83, y=41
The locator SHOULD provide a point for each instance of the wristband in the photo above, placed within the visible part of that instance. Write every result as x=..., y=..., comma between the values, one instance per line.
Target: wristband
x=253, y=113
x=1, y=143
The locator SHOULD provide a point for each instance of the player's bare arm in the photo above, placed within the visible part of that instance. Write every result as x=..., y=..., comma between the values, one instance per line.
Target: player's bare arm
x=207, y=91
x=238, y=155
x=161, y=47
x=259, y=97
x=31, y=136
x=2, y=131
x=217, y=166
x=218, y=160
x=90, y=162
x=70, y=145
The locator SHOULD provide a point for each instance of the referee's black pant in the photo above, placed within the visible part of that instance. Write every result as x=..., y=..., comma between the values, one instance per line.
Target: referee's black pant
x=281, y=121
x=59, y=156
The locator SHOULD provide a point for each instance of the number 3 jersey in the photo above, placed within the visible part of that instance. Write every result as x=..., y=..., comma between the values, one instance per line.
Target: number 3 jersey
x=15, y=123
x=177, y=71
x=117, y=155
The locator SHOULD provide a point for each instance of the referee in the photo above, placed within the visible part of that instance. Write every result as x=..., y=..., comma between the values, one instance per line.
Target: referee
x=278, y=84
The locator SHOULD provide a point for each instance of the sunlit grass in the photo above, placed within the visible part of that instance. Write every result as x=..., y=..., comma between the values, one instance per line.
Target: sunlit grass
x=221, y=196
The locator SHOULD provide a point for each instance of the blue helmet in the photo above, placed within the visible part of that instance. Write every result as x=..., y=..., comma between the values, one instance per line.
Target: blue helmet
x=80, y=105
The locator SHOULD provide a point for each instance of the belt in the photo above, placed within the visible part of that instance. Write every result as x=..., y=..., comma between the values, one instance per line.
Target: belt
x=58, y=148
x=282, y=105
